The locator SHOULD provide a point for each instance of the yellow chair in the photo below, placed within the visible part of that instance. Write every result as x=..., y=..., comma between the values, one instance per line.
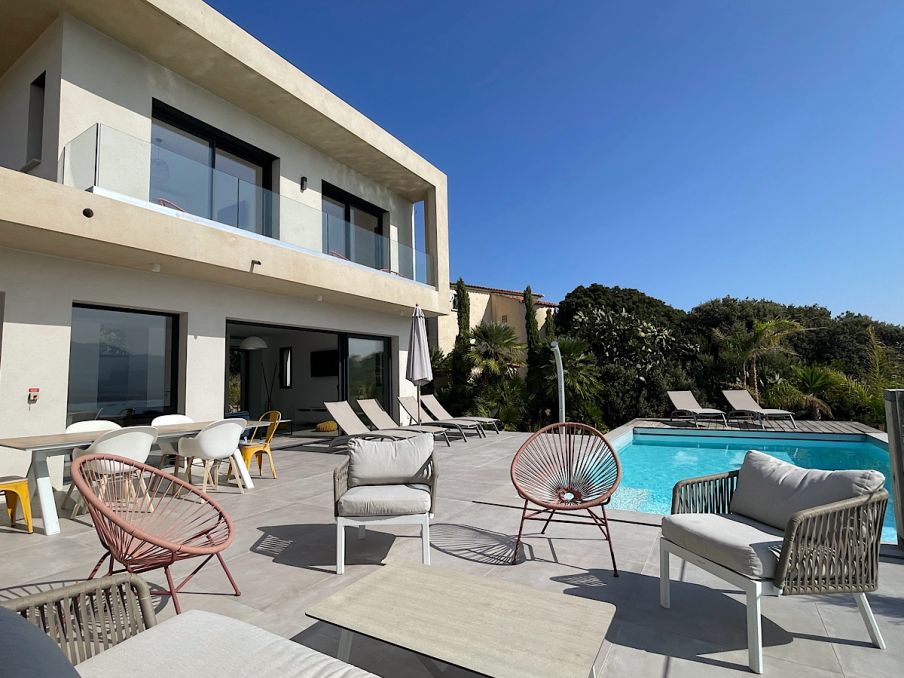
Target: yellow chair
x=15, y=488
x=259, y=449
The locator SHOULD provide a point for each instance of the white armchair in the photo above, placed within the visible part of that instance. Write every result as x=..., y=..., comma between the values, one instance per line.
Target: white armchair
x=385, y=481
x=215, y=443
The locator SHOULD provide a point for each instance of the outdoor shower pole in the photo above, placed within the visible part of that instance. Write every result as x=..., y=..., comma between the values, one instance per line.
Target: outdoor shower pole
x=894, y=420
x=560, y=375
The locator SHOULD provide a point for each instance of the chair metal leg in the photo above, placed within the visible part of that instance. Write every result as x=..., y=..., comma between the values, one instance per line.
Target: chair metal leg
x=867, y=613
x=425, y=540
x=665, y=598
x=172, y=588
x=754, y=627
x=520, y=531
x=340, y=548
x=235, y=586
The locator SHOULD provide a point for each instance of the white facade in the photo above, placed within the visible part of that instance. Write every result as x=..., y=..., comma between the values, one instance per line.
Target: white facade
x=127, y=254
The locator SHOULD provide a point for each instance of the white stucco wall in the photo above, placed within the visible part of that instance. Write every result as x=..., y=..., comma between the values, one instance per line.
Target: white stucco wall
x=105, y=82
x=43, y=56
x=38, y=293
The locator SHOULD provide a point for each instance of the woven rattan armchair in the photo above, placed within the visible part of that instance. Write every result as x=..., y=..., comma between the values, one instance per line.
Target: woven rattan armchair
x=828, y=548
x=88, y=617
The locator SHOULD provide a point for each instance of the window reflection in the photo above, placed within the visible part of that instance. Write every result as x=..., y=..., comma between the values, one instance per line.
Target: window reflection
x=121, y=365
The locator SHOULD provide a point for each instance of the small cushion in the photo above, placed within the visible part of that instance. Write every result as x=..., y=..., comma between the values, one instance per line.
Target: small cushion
x=389, y=462
x=202, y=644
x=385, y=500
x=771, y=491
x=27, y=652
x=738, y=543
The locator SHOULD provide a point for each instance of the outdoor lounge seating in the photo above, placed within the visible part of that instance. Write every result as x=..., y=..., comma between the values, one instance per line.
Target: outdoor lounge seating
x=566, y=467
x=772, y=528
x=686, y=406
x=107, y=628
x=381, y=419
x=436, y=409
x=147, y=519
x=385, y=481
x=352, y=427
x=409, y=404
x=742, y=403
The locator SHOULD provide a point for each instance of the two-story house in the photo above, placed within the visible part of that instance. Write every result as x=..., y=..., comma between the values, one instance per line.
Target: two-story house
x=188, y=223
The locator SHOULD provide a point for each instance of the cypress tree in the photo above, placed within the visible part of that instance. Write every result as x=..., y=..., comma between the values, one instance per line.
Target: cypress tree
x=530, y=323
x=550, y=327
x=460, y=367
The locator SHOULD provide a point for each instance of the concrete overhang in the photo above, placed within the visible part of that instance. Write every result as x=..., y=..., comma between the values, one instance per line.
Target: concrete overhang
x=40, y=216
x=192, y=39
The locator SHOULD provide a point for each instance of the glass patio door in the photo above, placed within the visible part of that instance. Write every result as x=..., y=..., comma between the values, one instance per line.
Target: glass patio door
x=366, y=362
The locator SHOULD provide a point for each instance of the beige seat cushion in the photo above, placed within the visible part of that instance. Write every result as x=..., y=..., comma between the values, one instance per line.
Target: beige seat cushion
x=206, y=645
x=771, y=490
x=389, y=462
x=738, y=543
x=385, y=500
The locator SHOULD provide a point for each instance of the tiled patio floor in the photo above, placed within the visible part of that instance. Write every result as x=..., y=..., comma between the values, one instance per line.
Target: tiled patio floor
x=283, y=560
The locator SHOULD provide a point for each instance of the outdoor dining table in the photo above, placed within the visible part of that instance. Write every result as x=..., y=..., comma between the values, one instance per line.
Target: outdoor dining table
x=43, y=446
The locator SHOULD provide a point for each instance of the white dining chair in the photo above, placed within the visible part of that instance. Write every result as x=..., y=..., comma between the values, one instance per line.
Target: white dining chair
x=82, y=427
x=168, y=448
x=215, y=443
x=132, y=442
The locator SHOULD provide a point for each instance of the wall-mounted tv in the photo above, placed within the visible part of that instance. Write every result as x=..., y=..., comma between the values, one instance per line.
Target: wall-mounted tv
x=325, y=363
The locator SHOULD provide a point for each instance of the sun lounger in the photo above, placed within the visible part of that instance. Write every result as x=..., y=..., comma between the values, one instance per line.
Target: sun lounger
x=381, y=419
x=352, y=427
x=435, y=408
x=686, y=405
x=742, y=403
x=409, y=404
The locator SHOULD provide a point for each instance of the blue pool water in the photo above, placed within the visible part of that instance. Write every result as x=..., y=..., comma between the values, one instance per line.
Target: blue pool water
x=652, y=464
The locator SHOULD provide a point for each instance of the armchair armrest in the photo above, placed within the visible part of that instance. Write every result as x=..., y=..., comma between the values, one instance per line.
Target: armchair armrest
x=833, y=548
x=433, y=481
x=340, y=484
x=706, y=494
x=88, y=617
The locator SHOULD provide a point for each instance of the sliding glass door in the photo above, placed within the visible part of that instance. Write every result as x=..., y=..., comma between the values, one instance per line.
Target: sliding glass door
x=367, y=369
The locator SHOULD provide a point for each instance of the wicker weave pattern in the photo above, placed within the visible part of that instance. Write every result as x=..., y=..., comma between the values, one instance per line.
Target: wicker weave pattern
x=706, y=494
x=86, y=618
x=826, y=549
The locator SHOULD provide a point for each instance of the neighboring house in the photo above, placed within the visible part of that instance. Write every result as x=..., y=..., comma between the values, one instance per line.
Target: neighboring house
x=188, y=223
x=488, y=304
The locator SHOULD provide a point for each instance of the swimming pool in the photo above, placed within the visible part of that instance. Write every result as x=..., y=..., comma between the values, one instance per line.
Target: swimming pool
x=652, y=463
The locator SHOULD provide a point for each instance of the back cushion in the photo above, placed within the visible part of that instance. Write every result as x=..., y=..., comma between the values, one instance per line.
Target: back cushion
x=389, y=462
x=770, y=490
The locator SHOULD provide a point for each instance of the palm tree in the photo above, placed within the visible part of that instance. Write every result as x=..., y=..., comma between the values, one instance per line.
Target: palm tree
x=495, y=351
x=767, y=337
x=582, y=374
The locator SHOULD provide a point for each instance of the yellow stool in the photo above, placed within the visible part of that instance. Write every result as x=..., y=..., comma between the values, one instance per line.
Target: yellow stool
x=16, y=491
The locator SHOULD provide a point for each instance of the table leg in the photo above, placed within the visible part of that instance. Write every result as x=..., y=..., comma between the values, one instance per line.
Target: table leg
x=41, y=475
x=345, y=645
x=243, y=470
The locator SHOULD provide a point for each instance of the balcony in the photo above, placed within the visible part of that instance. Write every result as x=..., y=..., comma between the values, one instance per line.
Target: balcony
x=112, y=163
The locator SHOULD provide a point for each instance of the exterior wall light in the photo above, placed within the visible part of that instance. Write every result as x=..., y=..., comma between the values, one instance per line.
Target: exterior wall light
x=304, y=183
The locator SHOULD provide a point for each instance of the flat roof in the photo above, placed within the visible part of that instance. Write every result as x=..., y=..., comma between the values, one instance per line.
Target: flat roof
x=192, y=39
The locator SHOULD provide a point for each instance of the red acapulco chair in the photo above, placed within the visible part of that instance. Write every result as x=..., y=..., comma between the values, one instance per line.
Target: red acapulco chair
x=148, y=519
x=566, y=467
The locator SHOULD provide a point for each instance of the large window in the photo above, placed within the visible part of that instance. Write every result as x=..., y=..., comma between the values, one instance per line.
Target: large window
x=353, y=228
x=122, y=365
x=198, y=169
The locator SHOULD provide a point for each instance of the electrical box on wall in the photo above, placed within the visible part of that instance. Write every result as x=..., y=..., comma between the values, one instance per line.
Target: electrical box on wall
x=33, y=394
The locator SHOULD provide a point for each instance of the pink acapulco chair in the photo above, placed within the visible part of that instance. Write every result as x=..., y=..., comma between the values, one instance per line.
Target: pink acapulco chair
x=566, y=467
x=148, y=519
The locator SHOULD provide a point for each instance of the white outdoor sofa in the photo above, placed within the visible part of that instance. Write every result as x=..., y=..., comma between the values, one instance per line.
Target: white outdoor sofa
x=774, y=529
x=107, y=628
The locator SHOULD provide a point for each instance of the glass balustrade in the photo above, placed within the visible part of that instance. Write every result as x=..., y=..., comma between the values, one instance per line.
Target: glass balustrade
x=110, y=161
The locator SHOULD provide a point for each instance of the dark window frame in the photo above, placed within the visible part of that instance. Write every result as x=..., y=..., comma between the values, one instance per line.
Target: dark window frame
x=217, y=139
x=349, y=201
x=175, y=353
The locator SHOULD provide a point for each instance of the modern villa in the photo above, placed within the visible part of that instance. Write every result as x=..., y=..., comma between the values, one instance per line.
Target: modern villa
x=188, y=223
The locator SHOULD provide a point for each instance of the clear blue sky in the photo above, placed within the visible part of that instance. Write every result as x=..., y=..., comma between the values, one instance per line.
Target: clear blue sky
x=689, y=149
